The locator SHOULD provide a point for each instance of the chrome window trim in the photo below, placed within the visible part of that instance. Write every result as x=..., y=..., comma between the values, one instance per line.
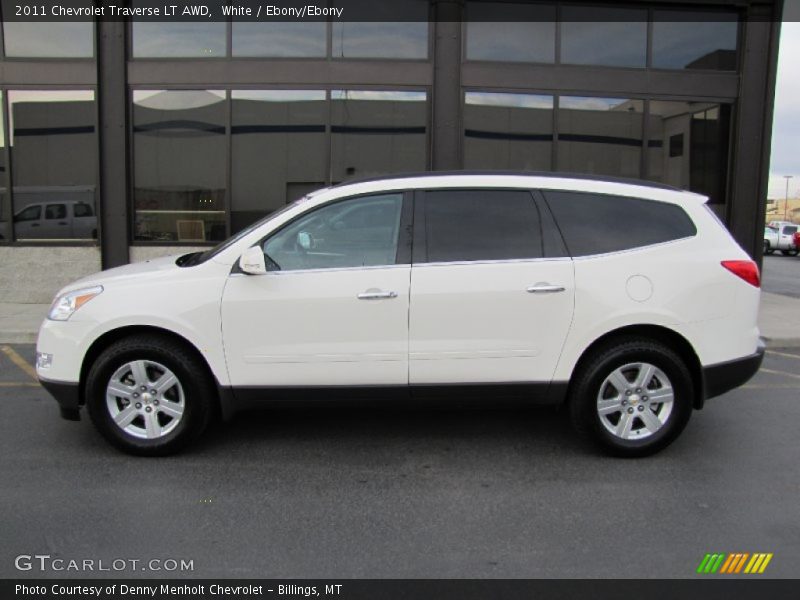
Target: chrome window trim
x=327, y=270
x=635, y=249
x=504, y=261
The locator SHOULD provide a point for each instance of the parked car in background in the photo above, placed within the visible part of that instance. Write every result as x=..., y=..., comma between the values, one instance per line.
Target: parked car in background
x=770, y=239
x=785, y=242
x=629, y=303
x=67, y=220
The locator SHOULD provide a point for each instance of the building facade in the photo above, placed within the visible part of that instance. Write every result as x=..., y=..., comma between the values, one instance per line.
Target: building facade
x=124, y=141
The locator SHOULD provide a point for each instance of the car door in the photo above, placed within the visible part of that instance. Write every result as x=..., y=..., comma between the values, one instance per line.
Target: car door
x=334, y=309
x=28, y=223
x=84, y=222
x=56, y=224
x=487, y=305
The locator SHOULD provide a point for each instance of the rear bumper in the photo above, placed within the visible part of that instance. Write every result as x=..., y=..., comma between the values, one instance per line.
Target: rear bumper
x=67, y=395
x=723, y=377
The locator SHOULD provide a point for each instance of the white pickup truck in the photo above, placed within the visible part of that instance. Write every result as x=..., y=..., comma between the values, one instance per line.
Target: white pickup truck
x=779, y=235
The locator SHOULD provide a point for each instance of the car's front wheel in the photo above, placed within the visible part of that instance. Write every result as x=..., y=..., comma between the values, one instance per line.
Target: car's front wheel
x=632, y=397
x=768, y=249
x=148, y=395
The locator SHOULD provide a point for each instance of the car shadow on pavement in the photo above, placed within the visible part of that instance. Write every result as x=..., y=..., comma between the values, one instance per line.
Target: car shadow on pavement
x=539, y=429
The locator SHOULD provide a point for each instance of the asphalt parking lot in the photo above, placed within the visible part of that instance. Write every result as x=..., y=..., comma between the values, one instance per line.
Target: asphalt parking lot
x=781, y=275
x=340, y=494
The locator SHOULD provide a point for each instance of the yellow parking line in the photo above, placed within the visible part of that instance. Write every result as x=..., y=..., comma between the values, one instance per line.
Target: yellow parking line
x=786, y=354
x=13, y=384
x=19, y=361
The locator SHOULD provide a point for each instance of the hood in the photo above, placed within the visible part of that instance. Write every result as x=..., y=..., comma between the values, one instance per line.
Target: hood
x=127, y=272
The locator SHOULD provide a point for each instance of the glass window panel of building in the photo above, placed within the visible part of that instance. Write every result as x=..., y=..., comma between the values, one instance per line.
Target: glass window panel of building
x=279, y=39
x=48, y=39
x=528, y=33
x=695, y=40
x=377, y=132
x=387, y=40
x=189, y=39
x=5, y=198
x=279, y=150
x=54, y=160
x=612, y=37
x=179, y=153
x=601, y=136
x=688, y=147
x=508, y=131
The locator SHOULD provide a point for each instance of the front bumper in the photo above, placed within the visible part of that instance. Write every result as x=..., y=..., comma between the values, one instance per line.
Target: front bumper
x=723, y=377
x=68, y=396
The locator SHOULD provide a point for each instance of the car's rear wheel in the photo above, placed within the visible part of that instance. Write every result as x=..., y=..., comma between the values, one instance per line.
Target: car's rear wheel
x=148, y=395
x=632, y=397
x=789, y=252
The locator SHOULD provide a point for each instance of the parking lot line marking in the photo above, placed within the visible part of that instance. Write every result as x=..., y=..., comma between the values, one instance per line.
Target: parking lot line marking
x=782, y=373
x=786, y=354
x=12, y=384
x=757, y=386
x=20, y=362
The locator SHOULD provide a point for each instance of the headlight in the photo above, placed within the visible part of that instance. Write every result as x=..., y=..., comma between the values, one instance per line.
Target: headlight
x=68, y=303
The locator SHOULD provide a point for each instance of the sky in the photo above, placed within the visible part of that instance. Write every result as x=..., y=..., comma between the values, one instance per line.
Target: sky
x=786, y=126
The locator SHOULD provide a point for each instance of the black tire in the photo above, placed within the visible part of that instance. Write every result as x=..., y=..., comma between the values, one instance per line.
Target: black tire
x=789, y=252
x=592, y=372
x=198, y=387
x=767, y=248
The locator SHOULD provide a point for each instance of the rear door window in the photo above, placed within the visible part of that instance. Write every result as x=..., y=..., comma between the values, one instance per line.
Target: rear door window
x=598, y=223
x=477, y=225
x=55, y=211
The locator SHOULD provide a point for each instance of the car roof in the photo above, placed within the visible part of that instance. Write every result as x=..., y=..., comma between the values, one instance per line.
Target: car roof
x=501, y=179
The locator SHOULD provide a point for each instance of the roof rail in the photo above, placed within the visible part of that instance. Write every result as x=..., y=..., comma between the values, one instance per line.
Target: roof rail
x=545, y=174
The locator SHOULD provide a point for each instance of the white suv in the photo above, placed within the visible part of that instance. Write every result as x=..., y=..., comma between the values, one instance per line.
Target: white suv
x=629, y=303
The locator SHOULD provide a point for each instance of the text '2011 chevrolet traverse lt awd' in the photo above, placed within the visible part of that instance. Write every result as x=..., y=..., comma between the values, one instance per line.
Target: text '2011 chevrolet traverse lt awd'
x=630, y=303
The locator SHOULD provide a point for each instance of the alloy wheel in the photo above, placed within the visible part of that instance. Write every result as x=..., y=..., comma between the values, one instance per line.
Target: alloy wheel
x=635, y=401
x=145, y=399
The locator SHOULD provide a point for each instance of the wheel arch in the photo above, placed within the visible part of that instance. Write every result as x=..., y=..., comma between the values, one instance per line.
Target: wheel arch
x=114, y=335
x=669, y=337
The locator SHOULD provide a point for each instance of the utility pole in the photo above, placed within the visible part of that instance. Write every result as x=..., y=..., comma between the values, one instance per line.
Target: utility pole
x=786, y=198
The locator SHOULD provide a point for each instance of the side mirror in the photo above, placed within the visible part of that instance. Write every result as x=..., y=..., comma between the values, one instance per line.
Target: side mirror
x=252, y=261
x=305, y=241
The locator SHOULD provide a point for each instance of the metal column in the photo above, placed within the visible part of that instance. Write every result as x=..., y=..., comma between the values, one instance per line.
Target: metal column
x=112, y=109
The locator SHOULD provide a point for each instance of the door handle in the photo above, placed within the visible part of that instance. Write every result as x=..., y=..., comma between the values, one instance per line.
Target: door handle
x=545, y=288
x=370, y=295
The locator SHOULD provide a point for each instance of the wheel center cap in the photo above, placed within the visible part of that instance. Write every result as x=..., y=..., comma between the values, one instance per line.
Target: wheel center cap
x=634, y=399
x=147, y=398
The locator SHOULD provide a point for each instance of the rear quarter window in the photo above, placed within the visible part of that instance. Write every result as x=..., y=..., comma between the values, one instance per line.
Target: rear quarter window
x=599, y=223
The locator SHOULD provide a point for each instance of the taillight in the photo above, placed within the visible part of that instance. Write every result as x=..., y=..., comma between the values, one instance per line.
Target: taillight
x=746, y=269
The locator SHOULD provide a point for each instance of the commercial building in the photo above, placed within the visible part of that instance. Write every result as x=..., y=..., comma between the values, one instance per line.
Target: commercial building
x=129, y=140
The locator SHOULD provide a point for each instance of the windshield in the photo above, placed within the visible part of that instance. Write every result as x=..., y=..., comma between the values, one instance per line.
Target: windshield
x=201, y=257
